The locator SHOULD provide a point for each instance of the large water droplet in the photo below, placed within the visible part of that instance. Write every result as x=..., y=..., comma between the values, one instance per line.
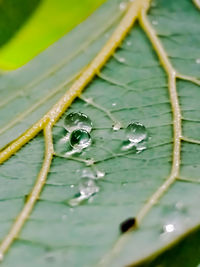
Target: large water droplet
x=80, y=139
x=77, y=120
x=136, y=132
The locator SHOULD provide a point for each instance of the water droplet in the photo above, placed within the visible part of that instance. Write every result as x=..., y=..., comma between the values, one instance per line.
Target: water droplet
x=122, y=5
x=77, y=120
x=80, y=139
x=116, y=126
x=121, y=59
x=88, y=187
x=88, y=173
x=100, y=174
x=198, y=60
x=72, y=186
x=114, y=104
x=168, y=228
x=136, y=132
x=128, y=43
x=155, y=22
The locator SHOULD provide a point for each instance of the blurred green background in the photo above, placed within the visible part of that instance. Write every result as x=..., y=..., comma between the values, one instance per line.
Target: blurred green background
x=28, y=27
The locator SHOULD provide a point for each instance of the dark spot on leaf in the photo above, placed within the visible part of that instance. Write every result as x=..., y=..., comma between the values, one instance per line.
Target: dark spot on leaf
x=127, y=224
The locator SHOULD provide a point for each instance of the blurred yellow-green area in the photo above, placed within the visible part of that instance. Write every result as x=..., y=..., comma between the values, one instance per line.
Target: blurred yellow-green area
x=28, y=27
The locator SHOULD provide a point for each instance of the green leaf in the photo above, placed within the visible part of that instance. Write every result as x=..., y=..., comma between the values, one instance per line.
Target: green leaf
x=132, y=86
x=24, y=22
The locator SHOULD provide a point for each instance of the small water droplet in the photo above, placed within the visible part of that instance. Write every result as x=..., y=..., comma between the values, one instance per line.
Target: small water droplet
x=155, y=22
x=100, y=174
x=116, y=126
x=198, y=60
x=168, y=228
x=80, y=139
x=114, y=104
x=72, y=186
x=128, y=43
x=136, y=132
x=122, y=5
x=88, y=187
x=88, y=173
x=121, y=59
x=77, y=120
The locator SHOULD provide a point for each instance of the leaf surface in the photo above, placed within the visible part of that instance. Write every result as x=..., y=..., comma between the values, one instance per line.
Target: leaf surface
x=132, y=86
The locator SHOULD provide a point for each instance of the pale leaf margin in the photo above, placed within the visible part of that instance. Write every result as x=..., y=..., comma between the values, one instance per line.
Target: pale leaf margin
x=136, y=10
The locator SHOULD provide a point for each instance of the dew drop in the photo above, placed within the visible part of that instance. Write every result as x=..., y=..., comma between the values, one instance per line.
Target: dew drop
x=121, y=59
x=116, y=126
x=100, y=174
x=168, y=228
x=72, y=186
x=77, y=120
x=155, y=22
x=128, y=43
x=80, y=139
x=198, y=60
x=88, y=173
x=136, y=132
x=122, y=5
x=88, y=187
x=114, y=104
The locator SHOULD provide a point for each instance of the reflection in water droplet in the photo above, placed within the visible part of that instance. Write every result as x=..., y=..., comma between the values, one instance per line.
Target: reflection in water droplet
x=198, y=60
x=168, y=228
x=77, y=120
x=80, y=139
x=154, y=22
x=116, y=126
x=122, y=5
x=136, y=132
x=114, y=104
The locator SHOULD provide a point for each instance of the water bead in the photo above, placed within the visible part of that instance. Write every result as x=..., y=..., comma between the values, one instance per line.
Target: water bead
x=77, y=120
x=88, y=187
x=136, y=132
x=80, y=139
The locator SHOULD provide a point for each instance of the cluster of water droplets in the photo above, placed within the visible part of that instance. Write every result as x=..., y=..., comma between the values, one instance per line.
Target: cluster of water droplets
x=79, y=126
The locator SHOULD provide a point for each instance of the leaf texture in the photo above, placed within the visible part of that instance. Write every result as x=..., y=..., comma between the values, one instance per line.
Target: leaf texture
x=132, y=86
